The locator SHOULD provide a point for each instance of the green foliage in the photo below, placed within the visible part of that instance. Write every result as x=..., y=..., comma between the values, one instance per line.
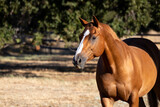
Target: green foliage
x=38, y=38
x=6, y=33
x=130, y=16
x=126, y=17
x=155, y=13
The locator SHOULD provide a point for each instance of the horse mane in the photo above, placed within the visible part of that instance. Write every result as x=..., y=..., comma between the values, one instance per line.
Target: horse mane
x=109, y=30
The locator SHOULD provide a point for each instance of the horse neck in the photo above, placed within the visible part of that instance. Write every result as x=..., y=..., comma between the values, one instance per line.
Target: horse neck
x=115, y=49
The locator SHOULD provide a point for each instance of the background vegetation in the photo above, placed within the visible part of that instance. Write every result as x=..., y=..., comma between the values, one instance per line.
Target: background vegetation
x=29, y=18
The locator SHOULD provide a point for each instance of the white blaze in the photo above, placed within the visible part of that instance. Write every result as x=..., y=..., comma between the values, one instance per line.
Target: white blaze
x=79, y=49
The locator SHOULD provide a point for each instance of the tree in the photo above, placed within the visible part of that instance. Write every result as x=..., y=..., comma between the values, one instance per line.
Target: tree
x=126, y=17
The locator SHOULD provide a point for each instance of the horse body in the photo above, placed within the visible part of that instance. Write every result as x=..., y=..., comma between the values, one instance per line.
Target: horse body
x=123, y=72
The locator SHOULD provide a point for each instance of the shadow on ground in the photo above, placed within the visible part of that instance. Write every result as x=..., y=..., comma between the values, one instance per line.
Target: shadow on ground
x=59, y=60
x=10, y=73
x=10, y=68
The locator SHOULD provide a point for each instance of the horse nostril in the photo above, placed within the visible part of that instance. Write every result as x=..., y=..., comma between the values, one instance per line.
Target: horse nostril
x=79, y=60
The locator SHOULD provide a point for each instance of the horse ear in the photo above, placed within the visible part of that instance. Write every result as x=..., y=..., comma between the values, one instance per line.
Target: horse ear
x=83, y=21
x=95, y=21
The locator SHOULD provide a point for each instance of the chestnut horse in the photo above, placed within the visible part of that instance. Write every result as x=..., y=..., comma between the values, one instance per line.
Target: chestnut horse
x=123, y=72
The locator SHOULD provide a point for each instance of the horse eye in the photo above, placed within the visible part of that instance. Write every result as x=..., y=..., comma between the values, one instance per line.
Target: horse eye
x=94, y=37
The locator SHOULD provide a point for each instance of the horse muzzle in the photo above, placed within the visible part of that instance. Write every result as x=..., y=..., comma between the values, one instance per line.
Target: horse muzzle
x=79, y=61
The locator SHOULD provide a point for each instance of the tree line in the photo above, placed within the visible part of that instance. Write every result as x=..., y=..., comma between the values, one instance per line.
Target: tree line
x=61, y=17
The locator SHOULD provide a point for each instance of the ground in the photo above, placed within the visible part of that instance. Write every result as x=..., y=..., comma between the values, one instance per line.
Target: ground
x=48, y=80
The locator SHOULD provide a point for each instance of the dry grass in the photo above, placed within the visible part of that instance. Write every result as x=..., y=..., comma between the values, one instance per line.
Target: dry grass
x=20, y=91
x=47, y=81
x=49, y=92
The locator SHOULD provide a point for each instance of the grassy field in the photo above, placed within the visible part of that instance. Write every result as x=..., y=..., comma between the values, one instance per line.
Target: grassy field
x=47, y=81
x=45, y=92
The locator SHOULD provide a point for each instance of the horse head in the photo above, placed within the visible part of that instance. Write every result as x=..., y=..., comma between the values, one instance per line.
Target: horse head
x=91, y=43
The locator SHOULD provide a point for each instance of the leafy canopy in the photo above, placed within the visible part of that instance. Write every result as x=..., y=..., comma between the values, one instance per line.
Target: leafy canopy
x=126, y=17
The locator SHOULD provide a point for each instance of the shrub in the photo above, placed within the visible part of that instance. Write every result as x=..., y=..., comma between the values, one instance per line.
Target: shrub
x=6, y=34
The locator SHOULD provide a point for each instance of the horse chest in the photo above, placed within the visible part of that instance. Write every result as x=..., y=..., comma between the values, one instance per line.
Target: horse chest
x=108, y=87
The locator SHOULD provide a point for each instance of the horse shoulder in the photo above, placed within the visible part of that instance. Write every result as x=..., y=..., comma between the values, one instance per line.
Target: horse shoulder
x=109, y=85
x=105, y=81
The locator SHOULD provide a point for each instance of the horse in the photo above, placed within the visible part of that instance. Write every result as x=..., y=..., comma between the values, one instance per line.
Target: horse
x=124, y=72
